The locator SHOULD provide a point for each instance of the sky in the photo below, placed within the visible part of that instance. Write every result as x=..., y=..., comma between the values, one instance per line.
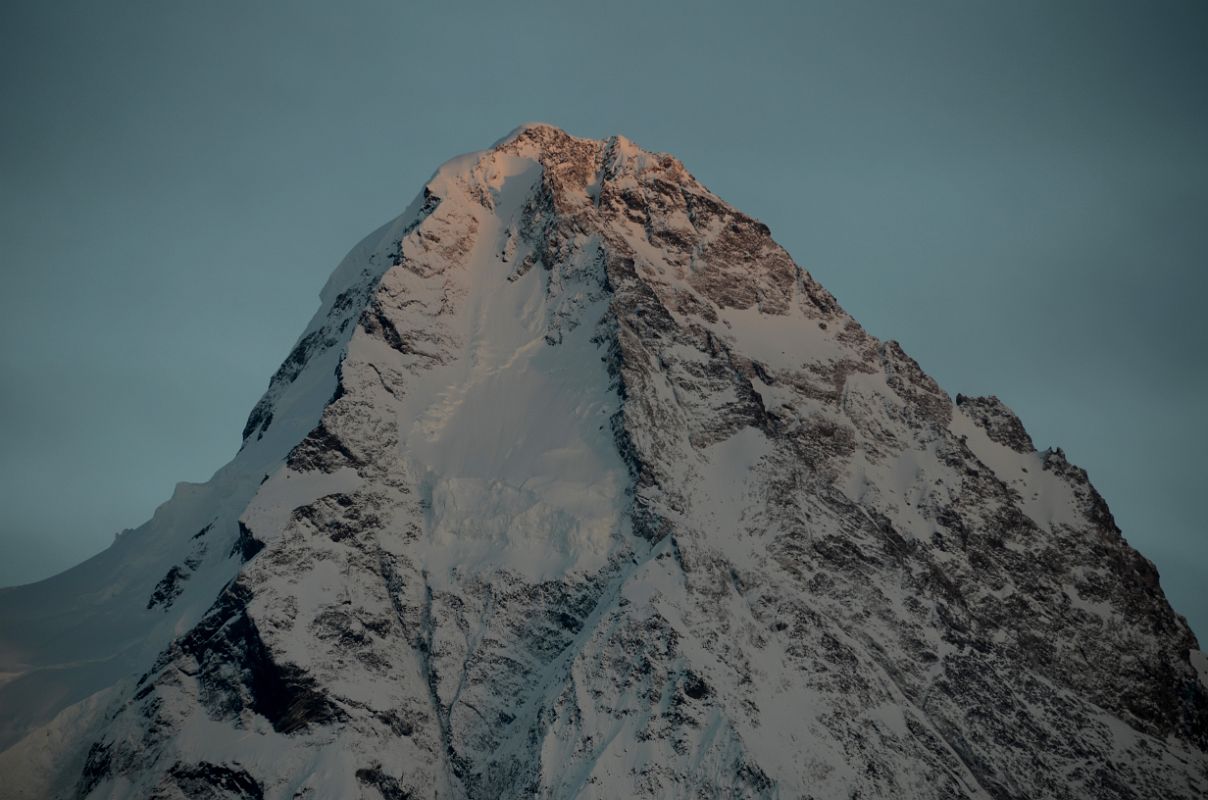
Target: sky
x=1017, y=192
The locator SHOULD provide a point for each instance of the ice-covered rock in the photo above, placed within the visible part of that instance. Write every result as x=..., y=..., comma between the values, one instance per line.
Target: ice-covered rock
x=577, y=486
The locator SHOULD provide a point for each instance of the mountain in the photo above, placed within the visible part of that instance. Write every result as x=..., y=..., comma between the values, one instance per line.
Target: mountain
x=577, y=486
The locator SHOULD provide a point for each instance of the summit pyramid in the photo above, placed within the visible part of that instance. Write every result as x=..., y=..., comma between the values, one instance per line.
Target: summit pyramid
x=577, y=485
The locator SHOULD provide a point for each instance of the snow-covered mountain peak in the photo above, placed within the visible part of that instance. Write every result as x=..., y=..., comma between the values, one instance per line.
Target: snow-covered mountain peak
x=576, y=485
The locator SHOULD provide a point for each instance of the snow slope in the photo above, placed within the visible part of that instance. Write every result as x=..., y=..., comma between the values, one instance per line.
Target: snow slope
x=577, y=486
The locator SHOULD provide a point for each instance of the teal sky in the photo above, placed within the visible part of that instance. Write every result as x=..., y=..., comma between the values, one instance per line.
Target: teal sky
x=1016, y=191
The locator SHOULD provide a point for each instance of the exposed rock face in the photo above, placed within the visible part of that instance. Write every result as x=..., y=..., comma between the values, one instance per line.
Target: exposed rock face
x=998, y=421
x=577, y=486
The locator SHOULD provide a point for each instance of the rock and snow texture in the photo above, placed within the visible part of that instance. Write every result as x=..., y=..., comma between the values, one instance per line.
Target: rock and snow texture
x=577, y=486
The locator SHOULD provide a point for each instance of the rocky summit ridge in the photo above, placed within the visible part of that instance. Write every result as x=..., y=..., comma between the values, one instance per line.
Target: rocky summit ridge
x=577, y=486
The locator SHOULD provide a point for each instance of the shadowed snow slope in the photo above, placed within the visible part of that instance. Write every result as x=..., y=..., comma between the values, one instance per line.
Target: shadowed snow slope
x=577, y=486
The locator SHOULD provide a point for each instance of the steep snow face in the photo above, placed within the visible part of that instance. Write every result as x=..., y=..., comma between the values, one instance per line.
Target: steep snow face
x=578, y=487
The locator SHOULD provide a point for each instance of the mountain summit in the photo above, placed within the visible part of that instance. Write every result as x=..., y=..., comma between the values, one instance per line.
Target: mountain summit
x=577, y=486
